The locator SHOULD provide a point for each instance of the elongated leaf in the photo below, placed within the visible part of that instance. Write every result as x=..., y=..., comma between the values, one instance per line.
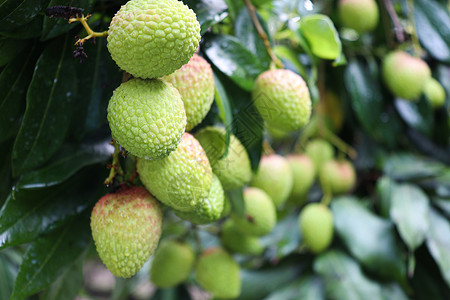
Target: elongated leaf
x=307, y=287
x=27, y=31
x=385, y=188
x=19, y=13
x=48, y=257
x=370, y=239
x=48, y=110
x=236, y=198
x=7, y=277
x=404, y=166
x=409, y=211
x=9, y=48
x=5, y=170
x=225, y=113
x=418, y=115
x=393, y=291
x=344, y=279
x=209, y=12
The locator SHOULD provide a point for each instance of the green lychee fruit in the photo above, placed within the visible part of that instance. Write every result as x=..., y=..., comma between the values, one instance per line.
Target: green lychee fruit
x=218, y=273
x=233, y=170
x=274, y=177
x=172, y=263
x=126, y=227
x=405, y=75
x=208, y=209
x=320, y=151
x=180, y=180
x=303, y=174
x=152, y=38
x=360, y=15
x=316, y=226
x=260, y=213
x=434, y=92
x=195, y=82
x=282, y=99
x=147, y=117
x=337, y=177
x=235, y=241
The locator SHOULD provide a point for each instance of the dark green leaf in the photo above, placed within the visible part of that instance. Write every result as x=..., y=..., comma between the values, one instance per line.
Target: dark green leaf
x=234, y=60
x=19, y=13
x=393, y=291
x=236, y=198
x=385, y=187
x=344, y=279
x=48, y=258
x=289, y=56
x=209, y=12
x=10, y=48
x=27, y=31
x=409, y=211
x=409, y=167
x=418, y=115
x=223, y=103
x=307, y=287
x=443, y=204
x=5, y=170
x=234, y=7
x=176, y=293
x=47, y=114
x=7, y=276
x=370, y=239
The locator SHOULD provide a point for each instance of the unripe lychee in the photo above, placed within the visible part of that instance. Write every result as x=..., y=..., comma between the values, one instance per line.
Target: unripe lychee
x=236, y=241
x=172, y=263
x=274, y=177
x=320, y=151
x=208, y=209
x=434, y=92
x=405, y=75
x=260, y=213
x=180, y=180
x=360, y=15
x=282, y=99
x=147, y=117
x=218, y=273
x=195, y=82
x=126, y=227
x=316, y=226
x=233, y=170
x=337, y=177
x=303, y=176
x=152, y=38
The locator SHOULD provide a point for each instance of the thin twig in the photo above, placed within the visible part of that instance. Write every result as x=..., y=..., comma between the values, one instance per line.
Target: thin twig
x=414, y=38
x=115, y=167
x=90, y=32
x=398, y=29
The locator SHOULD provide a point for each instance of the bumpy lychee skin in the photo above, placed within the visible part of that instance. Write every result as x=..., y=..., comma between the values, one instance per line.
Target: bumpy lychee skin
x=219, y=274
x=147, y=117
x=303, y=176
x=434, y=92
x=320, y=151
x=236, y=241
x=126, y=227
x=260, y=213
x=172, y=263
x=208, y=209
x=195, y=82
x=405, y=75
x=282, y=98
x=360, y=15
x=180, y=180
x=274, y=177
x=152, y=38
x=316, y=226
x=337, y=177
x=234, y=170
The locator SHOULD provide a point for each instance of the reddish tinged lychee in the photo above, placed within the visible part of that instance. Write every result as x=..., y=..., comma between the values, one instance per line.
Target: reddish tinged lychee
x=337, y=177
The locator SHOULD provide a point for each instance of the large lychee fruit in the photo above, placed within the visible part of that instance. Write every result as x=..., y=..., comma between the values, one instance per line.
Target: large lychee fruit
x=405, y=75
x=180, y=180
x=282, y=99
x=434, y=92
x=195, y=82
x=147, y=117
x=126, y=227
x=236, y=241
x=303, y=176
x=234, y=169
x=274, y=177
x=260, y=213
x=152, y=38
x=320, y=151
x=218, y=273
x=316, y=226
x=337, y=177
x=172, y=263
x=360, y=15
x=208, y=209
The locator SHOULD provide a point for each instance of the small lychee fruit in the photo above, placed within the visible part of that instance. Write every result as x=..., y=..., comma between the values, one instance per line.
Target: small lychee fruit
x=236, y=241
x=434, y=92
x=126, y=227
x=337, y=177
x=172, y=263
x=320, y=151
x=316, y=226
x=360, y=15
x=282, y=99
x=303, y=176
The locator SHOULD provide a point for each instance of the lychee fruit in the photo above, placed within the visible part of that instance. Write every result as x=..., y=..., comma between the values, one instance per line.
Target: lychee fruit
x=360, y=15
x=337, y=177
x=434, y=92
x=303, y=176
x=320, y=151
x=316, y=226
x=236, y=241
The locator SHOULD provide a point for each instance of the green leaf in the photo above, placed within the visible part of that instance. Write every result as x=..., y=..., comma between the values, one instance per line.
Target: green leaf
x=27, y=31
x=438, y=243
x=433, y=28
x=209, y=12
x=405, y=166
x=48, y=258
x=7, y=276
x=234, y=60
x=5, y=170
x=48, y=109
x=370, y=239
x=289, y=56
x=236, y=198
x=385, y=187
x=225, y=113
x=10, y=48
x=393, y=291
x=409, y=211
x=13, y=15
x=321, y=35
x=418, y=115
x=344, y=279
x=307, y=287
x=234, y=7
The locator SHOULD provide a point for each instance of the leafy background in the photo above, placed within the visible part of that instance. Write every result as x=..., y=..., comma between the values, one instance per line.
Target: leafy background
x=392, y=235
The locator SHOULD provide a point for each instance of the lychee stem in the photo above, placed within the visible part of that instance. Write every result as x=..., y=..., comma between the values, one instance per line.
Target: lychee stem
x=336, y=141
x=91, y=33
x=116, y=168
x=398, y=30
x=414, y=38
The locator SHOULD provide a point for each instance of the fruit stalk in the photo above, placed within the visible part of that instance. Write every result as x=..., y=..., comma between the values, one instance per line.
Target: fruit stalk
x=398, y=30
x=115, y=167
x=91, y=33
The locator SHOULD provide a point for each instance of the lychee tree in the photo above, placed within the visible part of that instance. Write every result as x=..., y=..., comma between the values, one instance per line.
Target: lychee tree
x=243, y=149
